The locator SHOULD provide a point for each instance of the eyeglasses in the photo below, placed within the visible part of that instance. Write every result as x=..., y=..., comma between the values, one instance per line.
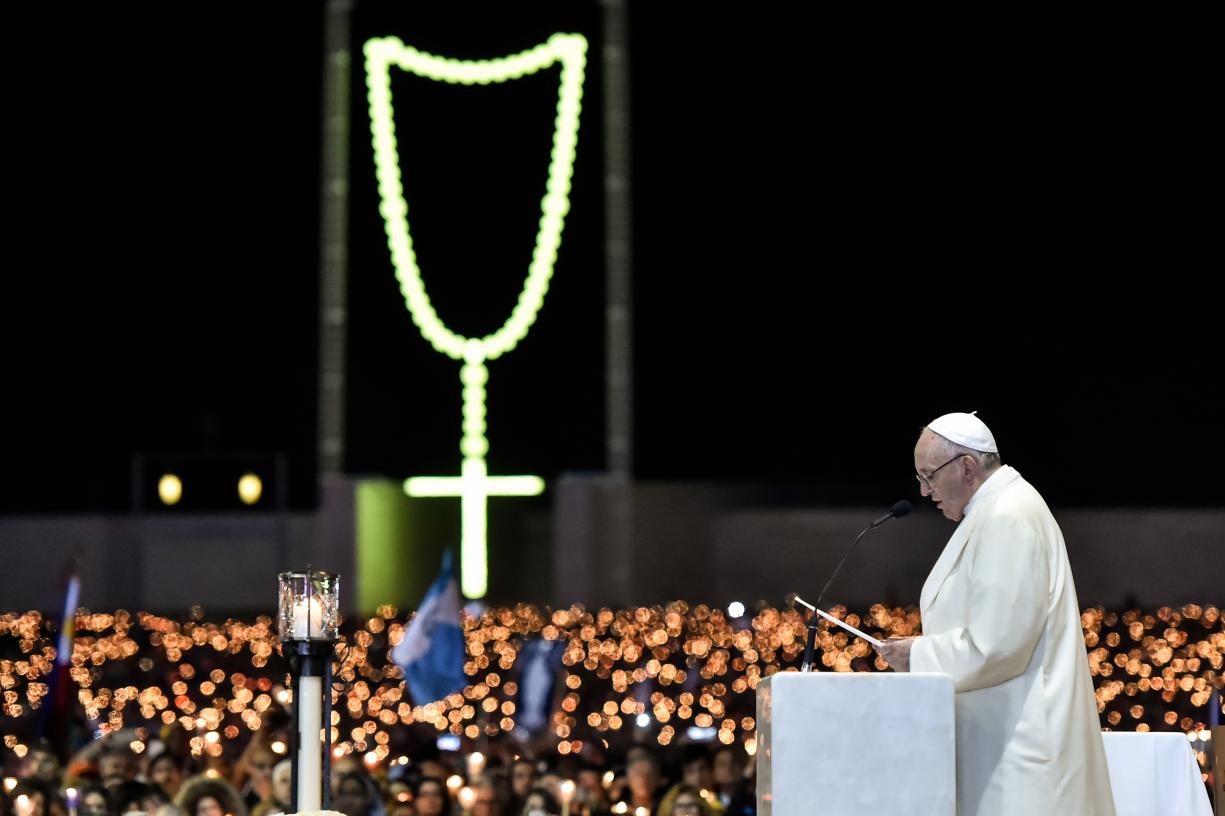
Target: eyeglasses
x=926, y=478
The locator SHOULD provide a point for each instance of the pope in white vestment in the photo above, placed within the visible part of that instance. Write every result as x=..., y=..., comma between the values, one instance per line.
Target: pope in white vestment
x=1000, y=616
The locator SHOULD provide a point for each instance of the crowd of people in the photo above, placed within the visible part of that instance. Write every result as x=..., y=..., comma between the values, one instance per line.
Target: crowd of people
x=109, y=778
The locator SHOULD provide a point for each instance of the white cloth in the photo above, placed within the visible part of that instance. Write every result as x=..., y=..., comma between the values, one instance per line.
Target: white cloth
x=965, y=429
x=1155, y=773
x=1000, y=616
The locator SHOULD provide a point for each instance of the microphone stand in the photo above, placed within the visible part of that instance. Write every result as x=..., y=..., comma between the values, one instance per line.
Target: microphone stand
x=811, y=643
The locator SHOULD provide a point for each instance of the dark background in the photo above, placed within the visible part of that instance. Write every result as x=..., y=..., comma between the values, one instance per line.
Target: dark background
x=845, y=224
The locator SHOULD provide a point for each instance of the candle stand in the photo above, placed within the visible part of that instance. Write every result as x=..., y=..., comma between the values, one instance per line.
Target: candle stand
x=307, y=622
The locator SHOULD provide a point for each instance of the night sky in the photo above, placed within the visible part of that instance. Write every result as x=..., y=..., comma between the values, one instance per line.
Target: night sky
x=844, y=226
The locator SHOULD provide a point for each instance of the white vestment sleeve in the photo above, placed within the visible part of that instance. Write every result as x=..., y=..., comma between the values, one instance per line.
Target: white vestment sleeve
x=1006, y=608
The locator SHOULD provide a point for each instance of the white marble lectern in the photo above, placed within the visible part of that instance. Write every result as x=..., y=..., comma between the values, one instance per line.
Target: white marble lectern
x=855, y=743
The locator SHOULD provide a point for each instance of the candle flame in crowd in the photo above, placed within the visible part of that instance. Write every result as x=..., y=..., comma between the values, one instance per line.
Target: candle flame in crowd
x=663, y=667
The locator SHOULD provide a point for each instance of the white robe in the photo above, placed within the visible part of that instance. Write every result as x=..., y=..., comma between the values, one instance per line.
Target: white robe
x=1000, y=616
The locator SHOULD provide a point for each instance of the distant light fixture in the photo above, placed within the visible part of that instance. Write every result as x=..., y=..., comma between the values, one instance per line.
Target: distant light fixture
x=250, y=488
x=169, y=489
x=735, y=609
x=644, y=720
x=278, y=747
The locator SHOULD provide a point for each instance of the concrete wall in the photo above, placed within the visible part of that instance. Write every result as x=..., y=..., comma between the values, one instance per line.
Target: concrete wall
x=718, y=543
x=607, y=542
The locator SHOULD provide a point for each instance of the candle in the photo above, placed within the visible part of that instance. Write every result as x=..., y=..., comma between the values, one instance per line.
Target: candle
x=309, y=701
x=10, y=782
x=566, y=794
x=476, y=764
x=23, y=805
x=307, y=618
x=454, y=783
x=74, y=799
x=467, y=798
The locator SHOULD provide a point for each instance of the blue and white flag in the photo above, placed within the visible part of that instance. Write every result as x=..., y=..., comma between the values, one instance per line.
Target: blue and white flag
x=432, y=651
x=541, y=662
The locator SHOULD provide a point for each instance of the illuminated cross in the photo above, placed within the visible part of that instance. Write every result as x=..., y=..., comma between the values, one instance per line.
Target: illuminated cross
x=474, y=486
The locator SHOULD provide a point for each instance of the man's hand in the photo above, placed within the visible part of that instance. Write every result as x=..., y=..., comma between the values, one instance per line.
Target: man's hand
x=896, y=652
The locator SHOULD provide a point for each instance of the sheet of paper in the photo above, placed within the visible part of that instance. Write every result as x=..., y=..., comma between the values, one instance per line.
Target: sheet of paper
x=848, y=627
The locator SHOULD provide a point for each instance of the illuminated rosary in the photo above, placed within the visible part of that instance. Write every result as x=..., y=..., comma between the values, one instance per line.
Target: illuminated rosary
x=474, y=485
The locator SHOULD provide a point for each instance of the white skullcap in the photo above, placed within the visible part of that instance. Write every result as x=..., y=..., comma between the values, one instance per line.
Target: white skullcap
x=965, y=429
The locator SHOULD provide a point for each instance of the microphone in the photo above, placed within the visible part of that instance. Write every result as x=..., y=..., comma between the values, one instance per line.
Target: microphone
x=897, y=511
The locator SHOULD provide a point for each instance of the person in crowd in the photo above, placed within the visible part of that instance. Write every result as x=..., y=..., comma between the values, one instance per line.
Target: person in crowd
x=590, y=796
x=684, y=800
x=95, y=800
x=540, y=802
x=493, y=795
x=42, y=763
x=522, y=778
x=136, y=797
x=397, y=789
x=116, y=765
x=253, y=772
x=166, y=771
x=347, y=764
x=430, y=797
x=206, y=796
x=357, y=795
x=727, y=771
x=282, y=791
x=696, y=770
x=643, y=779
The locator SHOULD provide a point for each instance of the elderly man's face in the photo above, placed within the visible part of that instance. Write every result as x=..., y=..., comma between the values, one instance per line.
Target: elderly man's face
x=942, y=477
